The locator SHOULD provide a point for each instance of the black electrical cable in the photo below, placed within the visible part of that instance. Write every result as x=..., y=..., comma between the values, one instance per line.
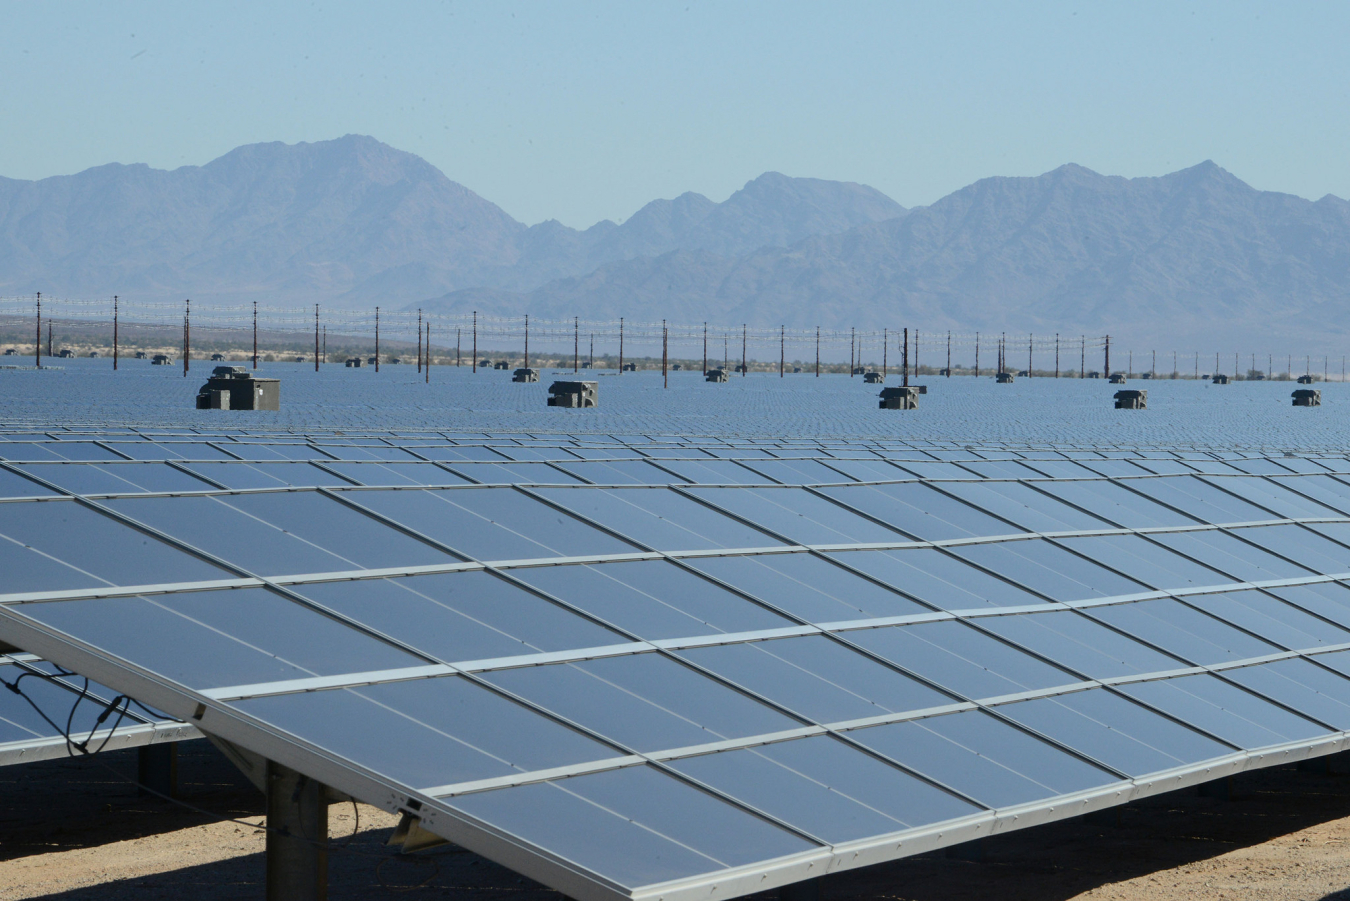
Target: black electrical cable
x=123, y=702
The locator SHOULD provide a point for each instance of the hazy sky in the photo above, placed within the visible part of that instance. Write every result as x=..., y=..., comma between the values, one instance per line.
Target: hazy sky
x=586, y=111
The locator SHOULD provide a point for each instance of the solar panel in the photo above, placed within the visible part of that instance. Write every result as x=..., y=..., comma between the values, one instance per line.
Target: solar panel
x=667, y=666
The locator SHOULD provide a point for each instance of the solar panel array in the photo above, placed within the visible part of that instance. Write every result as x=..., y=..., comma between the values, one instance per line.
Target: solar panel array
x=633, y=666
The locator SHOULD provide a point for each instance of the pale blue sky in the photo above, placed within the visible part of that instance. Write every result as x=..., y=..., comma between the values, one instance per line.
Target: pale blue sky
x=586, y=111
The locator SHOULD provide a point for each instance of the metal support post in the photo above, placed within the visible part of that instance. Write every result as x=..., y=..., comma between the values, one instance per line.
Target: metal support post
x=419, y=340
x=474, y=361
x=157, y=769
x=745, y=360
x=621, y=346
x=255, y=334
x=316, y=337
x=297, y=836
x=114, y=332
x=377, y=339
x=807, y=890
x=37, y=341
x=527, y=340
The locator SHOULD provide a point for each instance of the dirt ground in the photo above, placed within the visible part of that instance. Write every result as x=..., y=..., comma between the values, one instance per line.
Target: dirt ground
x=72, y=830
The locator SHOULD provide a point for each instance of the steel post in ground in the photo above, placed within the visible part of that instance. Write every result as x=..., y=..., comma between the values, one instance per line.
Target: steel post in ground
x=297, y=836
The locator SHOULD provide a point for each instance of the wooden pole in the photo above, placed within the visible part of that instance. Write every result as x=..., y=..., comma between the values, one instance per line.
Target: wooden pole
x=114, y=332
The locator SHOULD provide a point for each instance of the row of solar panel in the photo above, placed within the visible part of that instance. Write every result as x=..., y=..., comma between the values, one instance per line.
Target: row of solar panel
x=113, y=451
x=126, y=476
x=499, y=523
x=917, y=768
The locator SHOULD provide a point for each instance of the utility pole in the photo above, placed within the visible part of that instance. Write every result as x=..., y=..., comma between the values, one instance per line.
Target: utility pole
x=459, y=334
x=1107, y=374
x=114, y=332
x=977, y=355
x=916, y=353
x=817, y=351
x=316, y=341
x=474, y=361
x=782, y=349
x=37, y=341
x=325, y=344
x=885, y=346
x=255, y=334
x=427, y=372
x=705, y=347
x=665, y=374
x=949, y=353
x=1056, y=354
x=745, y=359
x=527, y=340
x=419, y=340
x=852, y=351
x=621, y=345
x=187, y=335
x=904, y=359
x=576, y=343
x=377, y=339
x=1030, y=341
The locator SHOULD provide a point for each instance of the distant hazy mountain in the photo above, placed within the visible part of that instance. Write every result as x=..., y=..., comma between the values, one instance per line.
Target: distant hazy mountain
x=356, y=222
x=266, y=221
x=1192, y=259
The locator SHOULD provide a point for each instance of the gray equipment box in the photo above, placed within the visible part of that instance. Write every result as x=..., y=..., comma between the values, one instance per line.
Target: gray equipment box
x=873, y=378
x=1220, y=379
x=1004, y=378
x=716, y=375
x=355, y=363
x=1131, y=399
x=574, y=394
x=1306, y=380
x=501, y=364
x=1117, y=378
x=233, y=388
x=899, y=398
x=1307, y=397
x=526, y=375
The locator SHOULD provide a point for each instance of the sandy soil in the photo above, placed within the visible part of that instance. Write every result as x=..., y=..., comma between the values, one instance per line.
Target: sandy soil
x=73, y=830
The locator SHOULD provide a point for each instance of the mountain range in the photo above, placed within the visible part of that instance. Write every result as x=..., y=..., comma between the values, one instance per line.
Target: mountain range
x=1195, y=258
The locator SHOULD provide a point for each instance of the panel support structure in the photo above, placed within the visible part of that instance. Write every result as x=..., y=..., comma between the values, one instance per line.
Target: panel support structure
x=297, y=836
x=157, y=769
